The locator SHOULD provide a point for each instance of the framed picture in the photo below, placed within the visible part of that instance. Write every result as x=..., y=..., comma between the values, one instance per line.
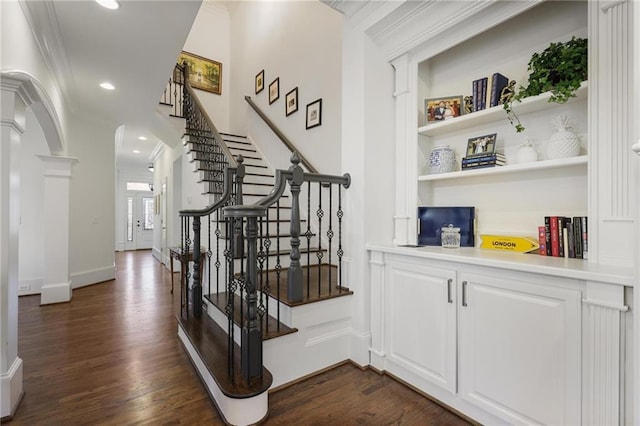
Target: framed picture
x=314, y=114
x=291, y=102
x=204, y=74
x=481, y=145
x=274, y=90
x=444, y=108
x=259, y=82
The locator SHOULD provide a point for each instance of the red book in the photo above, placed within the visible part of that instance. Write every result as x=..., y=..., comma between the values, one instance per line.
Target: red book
x=555, y=241
x=542, y=239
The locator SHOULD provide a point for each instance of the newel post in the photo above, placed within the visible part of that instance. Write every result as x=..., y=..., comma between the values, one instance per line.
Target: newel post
x=294, y=275
x=251, y=347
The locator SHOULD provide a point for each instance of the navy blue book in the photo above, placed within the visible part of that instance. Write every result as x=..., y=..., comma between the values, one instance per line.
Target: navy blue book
x=498, y=82
x=431, y=220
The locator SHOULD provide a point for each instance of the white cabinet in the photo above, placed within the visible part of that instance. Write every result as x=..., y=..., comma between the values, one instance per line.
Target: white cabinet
x=519, y=349
x=421, y=327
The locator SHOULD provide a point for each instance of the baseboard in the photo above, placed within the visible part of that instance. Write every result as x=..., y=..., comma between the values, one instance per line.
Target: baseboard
x=11, y=389
x=157, y=254
x=55, y=293
x=85, y=278
x=29, y=287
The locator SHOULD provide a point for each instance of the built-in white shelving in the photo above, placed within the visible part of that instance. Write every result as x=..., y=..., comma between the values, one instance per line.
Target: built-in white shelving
x=509, y=168
x=527, y=105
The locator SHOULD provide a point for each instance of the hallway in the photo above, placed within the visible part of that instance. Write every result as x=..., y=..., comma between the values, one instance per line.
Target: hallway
x=112, y=356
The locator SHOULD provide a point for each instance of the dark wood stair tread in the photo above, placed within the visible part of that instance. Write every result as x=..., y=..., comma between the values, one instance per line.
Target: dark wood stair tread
x=271, y=328
x=210, y=341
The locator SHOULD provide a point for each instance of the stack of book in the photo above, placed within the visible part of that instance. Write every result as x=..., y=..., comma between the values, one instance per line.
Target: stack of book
x=564, y=237
x=481, y=161
x=486, y=93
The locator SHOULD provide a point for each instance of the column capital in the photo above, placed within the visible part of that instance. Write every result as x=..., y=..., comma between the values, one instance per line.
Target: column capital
x=57, y=165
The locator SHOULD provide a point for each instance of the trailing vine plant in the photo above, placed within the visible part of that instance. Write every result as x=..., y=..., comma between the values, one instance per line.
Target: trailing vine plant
x=559, y=69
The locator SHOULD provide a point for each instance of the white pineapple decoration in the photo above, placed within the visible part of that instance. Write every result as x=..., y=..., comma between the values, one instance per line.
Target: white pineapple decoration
x=564, y=143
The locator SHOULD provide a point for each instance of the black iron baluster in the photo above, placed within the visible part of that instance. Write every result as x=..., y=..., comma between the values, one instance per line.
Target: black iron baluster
x=330, y=237
x=308, y=235
x=319, y=254
x=197, y=279
x=184, y=265
x=230, y=290
x=278, y=266
x=261, y=259
x=267, y=287
x=340, y=252
x=217, y=233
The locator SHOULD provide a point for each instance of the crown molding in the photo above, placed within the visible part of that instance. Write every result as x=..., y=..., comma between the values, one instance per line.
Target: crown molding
x=43, y=21
x=157, y=150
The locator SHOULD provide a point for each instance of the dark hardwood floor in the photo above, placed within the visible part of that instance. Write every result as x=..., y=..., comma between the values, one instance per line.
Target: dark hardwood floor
x=112, y=356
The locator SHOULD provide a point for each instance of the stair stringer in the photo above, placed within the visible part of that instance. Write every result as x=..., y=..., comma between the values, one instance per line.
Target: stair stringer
x=323, y=339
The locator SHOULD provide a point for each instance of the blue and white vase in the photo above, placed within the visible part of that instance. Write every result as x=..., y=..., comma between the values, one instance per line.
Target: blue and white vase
x=442, y=159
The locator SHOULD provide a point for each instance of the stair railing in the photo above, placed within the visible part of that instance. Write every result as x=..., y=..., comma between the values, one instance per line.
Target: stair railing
x=280, y=135
x=172, y=95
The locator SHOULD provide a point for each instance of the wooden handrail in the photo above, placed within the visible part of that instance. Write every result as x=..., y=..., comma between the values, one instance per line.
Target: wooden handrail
x=203, y=111
x=280, y=135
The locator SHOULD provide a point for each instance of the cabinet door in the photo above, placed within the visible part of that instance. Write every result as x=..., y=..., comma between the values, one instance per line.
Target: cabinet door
x=421, y=335
x=519, y=349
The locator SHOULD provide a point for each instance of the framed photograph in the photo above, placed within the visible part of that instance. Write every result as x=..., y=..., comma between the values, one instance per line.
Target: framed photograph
x=204, y=74
x=291, y=102
x=481, y=145
x=259, y=82
x=274, y=90
x=444, y=108
x=314, y=114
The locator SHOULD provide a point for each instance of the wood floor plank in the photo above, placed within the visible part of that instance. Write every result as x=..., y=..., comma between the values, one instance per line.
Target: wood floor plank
x=112, y=357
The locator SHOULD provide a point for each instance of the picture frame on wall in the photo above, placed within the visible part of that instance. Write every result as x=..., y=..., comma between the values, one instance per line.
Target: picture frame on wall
x=260, y=82
x=291, y=102
x=204, y=74
x=444, y=108
x=481, y=145
x=314, y=114
x=274, y=90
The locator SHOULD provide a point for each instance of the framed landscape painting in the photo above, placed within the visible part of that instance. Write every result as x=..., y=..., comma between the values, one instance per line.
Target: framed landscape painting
x=204, y=74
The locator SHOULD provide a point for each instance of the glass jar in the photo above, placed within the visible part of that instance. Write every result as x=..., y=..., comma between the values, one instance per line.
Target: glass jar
x=450, y=237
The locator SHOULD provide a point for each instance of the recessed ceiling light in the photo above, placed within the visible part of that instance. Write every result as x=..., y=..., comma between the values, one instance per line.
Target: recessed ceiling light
x=142, y=138
x=135, y=151
x=109, y=4
x=107, y=86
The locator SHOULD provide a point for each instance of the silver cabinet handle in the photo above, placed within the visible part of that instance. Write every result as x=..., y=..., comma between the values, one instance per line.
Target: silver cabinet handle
x=449, y=281
x=464, y=293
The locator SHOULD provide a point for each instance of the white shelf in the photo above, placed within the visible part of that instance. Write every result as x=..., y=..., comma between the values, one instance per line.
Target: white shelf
x=530, y=104
x=509, y=168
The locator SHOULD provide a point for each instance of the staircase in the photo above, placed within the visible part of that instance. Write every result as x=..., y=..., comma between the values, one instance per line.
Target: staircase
x=273, y=267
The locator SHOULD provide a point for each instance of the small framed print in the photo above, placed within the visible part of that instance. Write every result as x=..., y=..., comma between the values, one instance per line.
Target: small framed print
x=481, y=145
x=314, y=114
x=259, y=82
x=438, y=109
x=274, y=90
x=291, y=102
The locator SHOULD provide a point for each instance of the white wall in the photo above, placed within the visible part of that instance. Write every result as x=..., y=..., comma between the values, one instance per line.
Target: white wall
x=92, y=200
x=209, y=37
x=31, y=255
x=301, y=43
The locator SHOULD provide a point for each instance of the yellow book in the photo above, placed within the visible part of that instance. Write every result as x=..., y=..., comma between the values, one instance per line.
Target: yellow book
x=509, y=243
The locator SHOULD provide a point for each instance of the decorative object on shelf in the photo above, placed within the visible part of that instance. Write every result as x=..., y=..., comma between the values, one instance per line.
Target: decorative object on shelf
x=450, y=236
x=483, y=161
x=442, y=159
x=438, y=109
x=274, y=90
x=526, y=153
x=509, y=243
x=468, y=104
x=560, y=68
x=314, y=114
x=291, y=102
x=507, y=92
x=481, y=145
x=564, y=143
x=204, y=74
x=259, y=82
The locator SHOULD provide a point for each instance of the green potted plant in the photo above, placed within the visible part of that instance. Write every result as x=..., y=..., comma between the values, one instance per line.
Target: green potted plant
x=559, y=69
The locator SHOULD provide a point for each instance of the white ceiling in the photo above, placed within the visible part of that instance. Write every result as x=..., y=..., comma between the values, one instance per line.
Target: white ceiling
x=134, y=47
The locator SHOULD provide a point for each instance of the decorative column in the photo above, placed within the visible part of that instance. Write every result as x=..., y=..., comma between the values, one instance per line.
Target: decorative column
x=602, y=309
x=406, y=185
x=13, y=124
x=377, y=265
x=56, y=285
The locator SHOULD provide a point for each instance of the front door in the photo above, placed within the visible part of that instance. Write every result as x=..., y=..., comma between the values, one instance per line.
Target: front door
x=140, y=211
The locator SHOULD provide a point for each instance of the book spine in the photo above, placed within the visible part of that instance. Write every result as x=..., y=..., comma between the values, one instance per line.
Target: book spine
x=555, y=244
x=471, y=160
x=499, y=157
x=479, y=166
x=483, y=95
x=499, y=82
x=560, y=236
x=585, y=236
x=542, y=241
x=577, y=236
x=571, y=251
x=547, y=234
x=474, y=91
x=494, y=87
